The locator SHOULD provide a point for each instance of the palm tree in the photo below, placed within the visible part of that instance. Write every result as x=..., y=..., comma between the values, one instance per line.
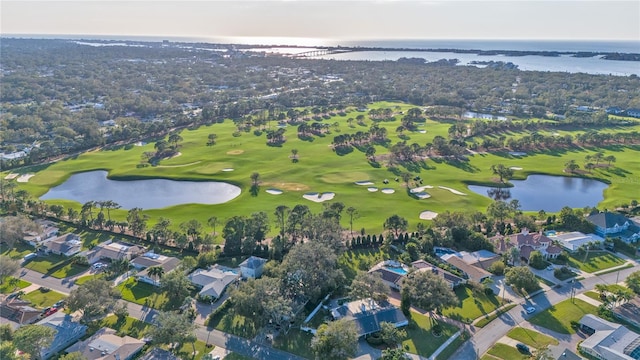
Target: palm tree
x=353, y=214
x=213, y=221
x=155, y=272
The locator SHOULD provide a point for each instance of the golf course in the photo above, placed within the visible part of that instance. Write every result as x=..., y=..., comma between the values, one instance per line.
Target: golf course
x=314, y=172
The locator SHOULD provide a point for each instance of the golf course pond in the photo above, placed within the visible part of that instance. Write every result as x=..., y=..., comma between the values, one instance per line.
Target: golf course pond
x=548, y=193
x=145, y=194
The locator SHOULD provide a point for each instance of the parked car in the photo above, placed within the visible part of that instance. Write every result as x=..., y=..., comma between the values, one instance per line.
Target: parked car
x=550, y=267
x=50, y=311
x=59, y=304
x=98, y=266
x=530, y=310
x=523, y=348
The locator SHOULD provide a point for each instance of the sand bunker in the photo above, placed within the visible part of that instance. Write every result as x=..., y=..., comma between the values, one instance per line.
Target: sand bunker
x=286, y=186
x=274, y=191
x=452, y=190
x=180, y=165
x=517, y=153
x=515, y=168
x=372, y=189
x=235, y=152
x=428, y=215
x=420, y=189
x=422, y=195
x=25, y=178
x=227, y=169
x=318, y=197
x=422, y=131
x=364, y=182
x=11, y=176
x=388, y=191
x=140, y=143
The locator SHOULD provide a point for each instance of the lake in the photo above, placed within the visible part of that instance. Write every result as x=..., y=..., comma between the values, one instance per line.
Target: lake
x=145, y=194
x=550, y=193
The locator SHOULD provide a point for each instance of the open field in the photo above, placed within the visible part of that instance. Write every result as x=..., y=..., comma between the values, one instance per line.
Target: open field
x=320, y=169
x=559, y=317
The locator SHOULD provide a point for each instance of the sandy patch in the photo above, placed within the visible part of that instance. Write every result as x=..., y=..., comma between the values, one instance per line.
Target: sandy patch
x=422, y=131
x=420, y=189
x=235, y=152
x=422, y=195
x=180, y=165
x=227, y=169
x=515, y=168
x=517, y=153
x=319, y=197
x=452, y=190
x=428, y=215
x=274, y=191
x=11, y=176
x=140, y=143
x=365, y=182
x=387, y=191
x=287, y=186
x=372, y=189
x=25, y=178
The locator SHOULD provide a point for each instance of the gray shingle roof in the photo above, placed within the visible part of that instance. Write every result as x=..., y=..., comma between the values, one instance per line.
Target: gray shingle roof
x=607, y=219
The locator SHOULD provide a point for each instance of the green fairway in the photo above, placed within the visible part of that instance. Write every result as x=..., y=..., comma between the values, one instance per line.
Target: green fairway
x=531, y=338
x=471, y=305
x=42, y=299
x=559, y=317
x=596, y=261
x=320, y=169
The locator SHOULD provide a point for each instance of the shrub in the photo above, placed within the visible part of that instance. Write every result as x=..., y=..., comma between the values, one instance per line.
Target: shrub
x=374, y=339
x=497, y=268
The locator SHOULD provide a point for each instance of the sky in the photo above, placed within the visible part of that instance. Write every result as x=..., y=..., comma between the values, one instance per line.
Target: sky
x=319, y=20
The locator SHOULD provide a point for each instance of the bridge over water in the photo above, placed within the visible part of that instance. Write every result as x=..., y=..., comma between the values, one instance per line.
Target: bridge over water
x=321, y=52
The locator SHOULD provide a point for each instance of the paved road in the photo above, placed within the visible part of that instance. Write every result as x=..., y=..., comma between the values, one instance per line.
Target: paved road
x=484, y=338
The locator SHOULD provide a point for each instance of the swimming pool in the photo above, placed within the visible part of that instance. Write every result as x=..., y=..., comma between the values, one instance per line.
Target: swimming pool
x=397, y=270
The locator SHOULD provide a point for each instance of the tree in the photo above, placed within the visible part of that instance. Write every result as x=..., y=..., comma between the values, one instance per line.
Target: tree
x=396, y=224
x=353, y=214
x=427, y=291
x=12, y=228
x=610, y=159
x=282, y=213
x=176, y=285
x=521, y=278
x=173, y=329
x=633, y=282
x=191, y=228
x=536, y=260
x=175, y=139
x=499, y=210
x=93, y=298
x=502, y=171
x=390, y=334
x=294, y=155
x=394, y=354
x=137, y=221
x=367, y=285
x=211, y=139
x=8, y=350
x=6, y=332
x=255, y=179
x=233, y=234
x=32, y=339
x=337, y=340
x=572, y=166
x=497, y=268
x=213, y=221
x=8, y=267
x=155, y=272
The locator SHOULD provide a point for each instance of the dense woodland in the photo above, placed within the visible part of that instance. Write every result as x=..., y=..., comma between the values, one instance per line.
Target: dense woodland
x=58, y=93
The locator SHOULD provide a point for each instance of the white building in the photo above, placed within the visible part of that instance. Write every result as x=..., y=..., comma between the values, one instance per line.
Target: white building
x=572, y=241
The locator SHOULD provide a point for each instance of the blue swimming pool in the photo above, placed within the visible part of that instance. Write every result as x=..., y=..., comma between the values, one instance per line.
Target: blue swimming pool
x=397, y=270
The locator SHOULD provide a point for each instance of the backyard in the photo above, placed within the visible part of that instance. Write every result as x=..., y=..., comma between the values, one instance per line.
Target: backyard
x=560, y=316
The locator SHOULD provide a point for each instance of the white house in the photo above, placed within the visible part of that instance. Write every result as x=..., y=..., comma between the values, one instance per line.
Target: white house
x=213, y=281
x=572, y=241
x=252, y=267
x=609, y=341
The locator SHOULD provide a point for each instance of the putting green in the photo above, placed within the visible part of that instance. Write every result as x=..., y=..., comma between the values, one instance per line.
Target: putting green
x=319, y=169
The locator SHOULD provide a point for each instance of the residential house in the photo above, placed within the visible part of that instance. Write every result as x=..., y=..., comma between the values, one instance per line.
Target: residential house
x=114, y=251
x=106, y=345
x=629, y=311
x=572, y=241
x=67, y=245
x=252, y=267
x=213, y=281
x=159, y=354
x=473, y=272
x=633, y=113
x=149, y=259
x=67, y=332
x=47, y=231
x=451, y=279
x=527, y=242
x=18, y=310
x=391, y=272
x=368, y=314
x=567, y=354
x=614, y=225
x=614, y=110
x=609, y=341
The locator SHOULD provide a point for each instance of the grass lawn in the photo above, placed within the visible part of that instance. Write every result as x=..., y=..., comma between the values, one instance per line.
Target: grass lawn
x=594, y=295
x=489, y=357
x=41, y=299
x=232, y=323
x=236, y=356
x=11, y=284
x=127, y=326
x=318, y=319
x=295, y=341
x=186, y=351
x=356, y=260
x=471, y=306
x=84, y=279
x=58, y=266
x=320, y=169
x=506, y=352
x=531, y=338
x=596, y=261
x=558, y=318
x=545, y=281
x=449, y=350
x=420, y=340
x=18, y=251
x=142, y=293
x=487, y=319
